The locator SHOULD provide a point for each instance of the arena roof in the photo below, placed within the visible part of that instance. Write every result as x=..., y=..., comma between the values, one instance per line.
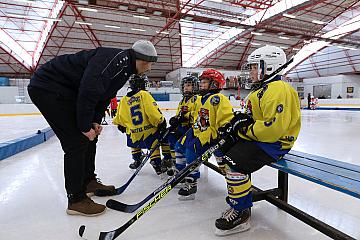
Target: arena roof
x=194, y=33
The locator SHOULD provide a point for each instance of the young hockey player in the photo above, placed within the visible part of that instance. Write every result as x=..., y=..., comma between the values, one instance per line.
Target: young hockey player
x=262, y=135
x=139, y=116
x=213, y=110
x=184, y=118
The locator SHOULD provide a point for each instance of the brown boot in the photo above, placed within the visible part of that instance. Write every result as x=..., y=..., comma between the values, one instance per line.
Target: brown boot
x=104, y=190
x=85, y=207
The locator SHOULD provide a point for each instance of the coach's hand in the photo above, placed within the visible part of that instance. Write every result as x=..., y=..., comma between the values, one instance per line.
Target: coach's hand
x=91, y=135
x=98, y=128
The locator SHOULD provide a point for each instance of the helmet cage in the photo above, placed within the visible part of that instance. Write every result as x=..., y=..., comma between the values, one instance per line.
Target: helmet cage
x=138, y=82
x=195, y=86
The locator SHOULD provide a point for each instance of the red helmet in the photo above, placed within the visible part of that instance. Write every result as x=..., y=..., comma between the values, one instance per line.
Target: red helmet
x=217, y=78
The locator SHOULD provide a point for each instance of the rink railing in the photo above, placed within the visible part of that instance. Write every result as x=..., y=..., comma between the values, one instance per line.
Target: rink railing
x=12, y=147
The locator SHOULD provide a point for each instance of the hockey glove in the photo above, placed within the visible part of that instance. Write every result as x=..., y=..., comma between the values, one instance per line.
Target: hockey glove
x=225, y=129
x=121, y=128
x=162, y=127
x=174, y=121
x=240, y=121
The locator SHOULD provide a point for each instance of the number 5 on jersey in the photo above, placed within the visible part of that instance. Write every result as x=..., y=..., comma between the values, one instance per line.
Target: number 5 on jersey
x=136, y=115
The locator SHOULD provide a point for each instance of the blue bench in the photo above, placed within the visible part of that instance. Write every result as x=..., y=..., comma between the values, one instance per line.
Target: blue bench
x=340, y=176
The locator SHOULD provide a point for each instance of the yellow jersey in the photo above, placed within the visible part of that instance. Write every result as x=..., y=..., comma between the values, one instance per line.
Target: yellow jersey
x=140, y=115
x=212, y=111
x=276, y=111
x=186, y=108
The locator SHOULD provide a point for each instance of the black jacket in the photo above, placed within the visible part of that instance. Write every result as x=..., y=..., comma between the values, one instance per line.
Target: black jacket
x=89, y=78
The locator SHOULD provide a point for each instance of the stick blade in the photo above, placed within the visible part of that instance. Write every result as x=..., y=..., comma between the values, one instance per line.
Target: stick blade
x=119, y=206
x=107, y=235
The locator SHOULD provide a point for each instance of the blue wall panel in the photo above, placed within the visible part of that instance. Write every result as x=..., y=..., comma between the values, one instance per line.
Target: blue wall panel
x=15, y=146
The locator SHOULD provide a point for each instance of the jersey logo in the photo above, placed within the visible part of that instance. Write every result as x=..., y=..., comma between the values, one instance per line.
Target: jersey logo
x=202, y=121
x=184, y=109
x=215, y=100
x=280, y=108
x=133, y=99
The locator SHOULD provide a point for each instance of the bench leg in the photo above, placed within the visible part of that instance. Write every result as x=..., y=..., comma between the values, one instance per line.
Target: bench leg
x=283, y=185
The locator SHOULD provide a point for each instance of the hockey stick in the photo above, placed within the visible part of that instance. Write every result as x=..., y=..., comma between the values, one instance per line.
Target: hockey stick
x=129, y=208
x=121, y=189
x=159, y=193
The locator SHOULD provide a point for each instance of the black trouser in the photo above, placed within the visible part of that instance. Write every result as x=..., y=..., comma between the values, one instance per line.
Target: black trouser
x=79, y=152
x=244, y=156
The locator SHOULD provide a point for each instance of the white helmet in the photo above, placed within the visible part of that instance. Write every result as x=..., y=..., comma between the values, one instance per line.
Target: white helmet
x=269, y=59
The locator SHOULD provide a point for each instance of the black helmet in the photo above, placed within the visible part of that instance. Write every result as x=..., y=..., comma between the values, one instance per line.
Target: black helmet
x=138, y=82
x=195, y=83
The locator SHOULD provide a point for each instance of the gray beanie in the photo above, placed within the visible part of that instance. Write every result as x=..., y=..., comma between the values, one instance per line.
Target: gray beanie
x=145, y=50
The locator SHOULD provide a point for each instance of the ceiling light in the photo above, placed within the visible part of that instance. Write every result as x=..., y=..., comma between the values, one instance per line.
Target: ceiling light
x=163, y=32
x=256, y=33
x=349, y=48
x=215, y=0
x=112, y=26
x=158, y=13
x=318, y=22
x=25, y=1
x=17, y=15
x=123, y=7
x=53, y=19
x=141, y=10
x=240, y=42
x=138, y=29
x=256, y=44
x=87, y=9
x=282, y=47
x=296, y=49
x=83, y=23
x=289, y=15
x=139, y=16
x=188, y=18
x=307, y=41
x=286, y=38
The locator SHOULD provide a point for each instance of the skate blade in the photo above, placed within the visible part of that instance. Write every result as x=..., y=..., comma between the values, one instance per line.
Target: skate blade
x=163, y=176
x=187, y=198
x=179, y=185
x=240, y=228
